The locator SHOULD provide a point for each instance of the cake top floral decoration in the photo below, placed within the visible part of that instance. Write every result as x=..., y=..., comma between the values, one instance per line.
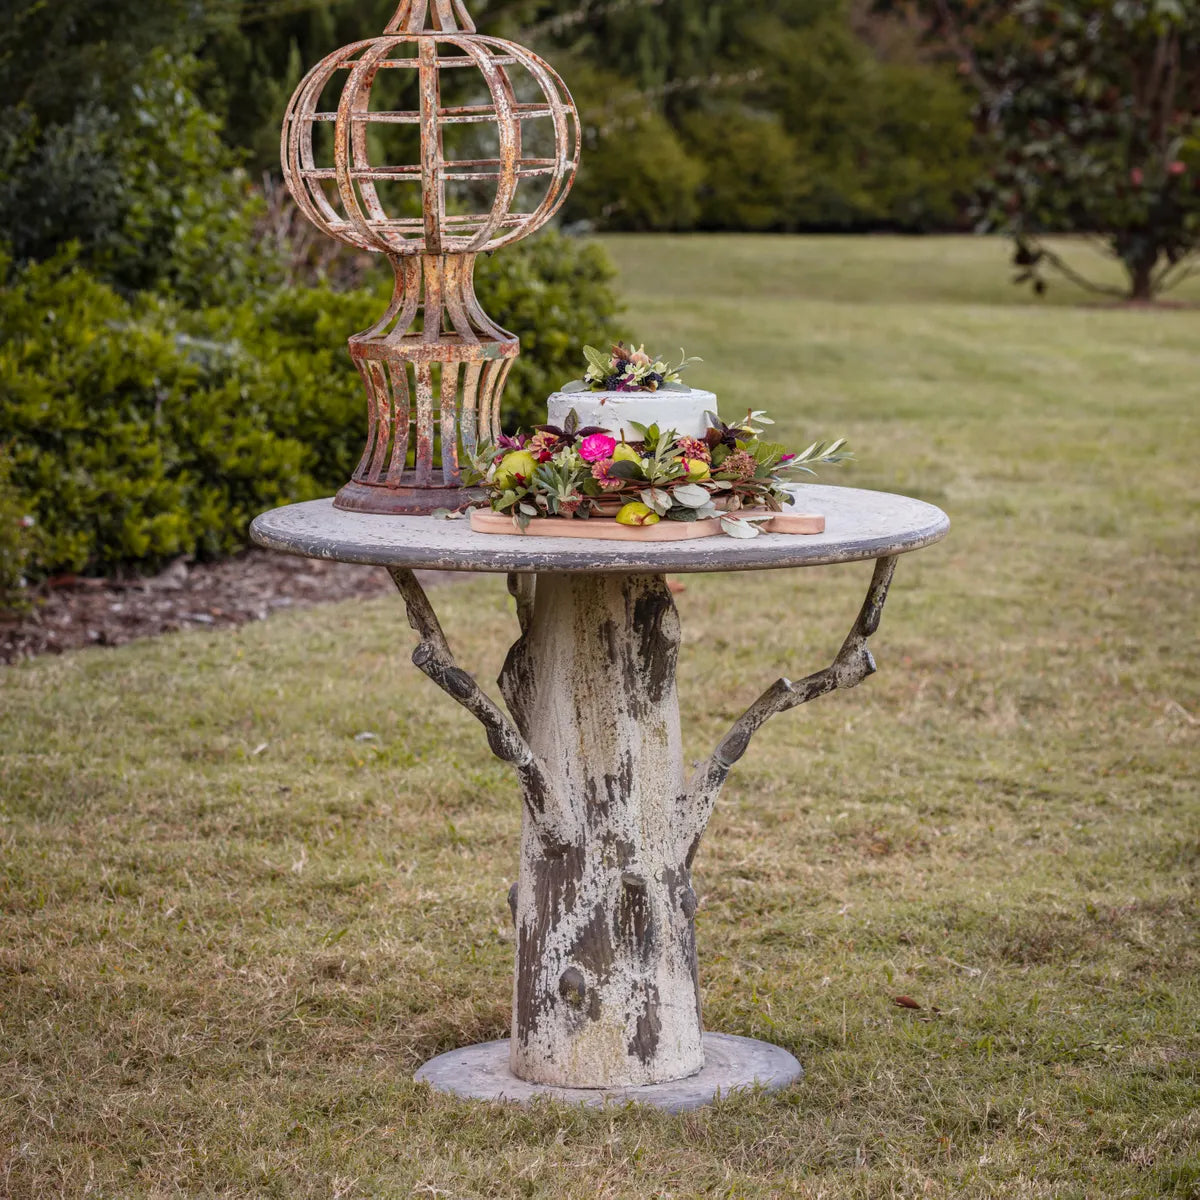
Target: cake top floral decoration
x=625, y=369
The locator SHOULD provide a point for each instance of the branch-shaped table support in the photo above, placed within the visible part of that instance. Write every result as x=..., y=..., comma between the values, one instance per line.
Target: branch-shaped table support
x=606, y=992
x=606, y=999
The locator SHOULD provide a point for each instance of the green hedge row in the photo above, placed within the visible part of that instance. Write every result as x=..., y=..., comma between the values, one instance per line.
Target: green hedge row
x=136, y=429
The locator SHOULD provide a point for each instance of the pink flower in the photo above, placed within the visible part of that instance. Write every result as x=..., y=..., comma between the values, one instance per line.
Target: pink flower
x=1136, y=176
x=597, y=446
x=691, y=448
x=1176, y=168
x=601, y=476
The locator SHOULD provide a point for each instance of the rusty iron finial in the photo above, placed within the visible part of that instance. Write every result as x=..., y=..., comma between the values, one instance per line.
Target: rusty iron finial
x=435, y=339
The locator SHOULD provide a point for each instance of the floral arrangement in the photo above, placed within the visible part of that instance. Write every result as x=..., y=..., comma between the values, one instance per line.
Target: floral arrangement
x=629, y=370
x=586, y=472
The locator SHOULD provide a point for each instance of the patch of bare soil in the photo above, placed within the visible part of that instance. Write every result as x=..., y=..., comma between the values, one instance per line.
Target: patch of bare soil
x=73, y=611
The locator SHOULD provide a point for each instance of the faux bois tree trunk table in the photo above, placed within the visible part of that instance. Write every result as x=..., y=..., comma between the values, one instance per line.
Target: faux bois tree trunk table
x=606, y=998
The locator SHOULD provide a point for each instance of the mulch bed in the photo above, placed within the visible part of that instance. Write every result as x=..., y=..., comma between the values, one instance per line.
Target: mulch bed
x=73, y=611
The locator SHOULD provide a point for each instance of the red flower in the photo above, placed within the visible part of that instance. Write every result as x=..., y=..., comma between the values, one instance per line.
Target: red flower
x=1136, y=176
x=1176, y=168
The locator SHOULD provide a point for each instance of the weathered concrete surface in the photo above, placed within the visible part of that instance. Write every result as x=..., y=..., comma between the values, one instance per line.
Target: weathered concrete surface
x=606, y=990
x=731, y=1064
x=858, y=525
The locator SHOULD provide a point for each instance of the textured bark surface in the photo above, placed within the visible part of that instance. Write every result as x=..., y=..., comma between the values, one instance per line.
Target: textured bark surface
x=606, y=991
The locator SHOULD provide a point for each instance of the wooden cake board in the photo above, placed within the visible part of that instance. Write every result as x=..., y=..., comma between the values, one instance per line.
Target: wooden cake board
x=484, y=520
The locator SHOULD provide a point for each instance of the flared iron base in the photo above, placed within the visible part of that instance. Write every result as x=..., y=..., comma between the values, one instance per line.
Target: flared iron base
x=404, y=501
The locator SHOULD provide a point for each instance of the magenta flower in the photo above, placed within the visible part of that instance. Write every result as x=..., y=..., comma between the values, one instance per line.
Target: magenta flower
x=596, y=447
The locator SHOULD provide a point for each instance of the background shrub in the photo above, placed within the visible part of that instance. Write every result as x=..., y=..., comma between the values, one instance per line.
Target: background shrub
x=15, y=540
x=148, y=193
x=139, y=429
x=130, y=442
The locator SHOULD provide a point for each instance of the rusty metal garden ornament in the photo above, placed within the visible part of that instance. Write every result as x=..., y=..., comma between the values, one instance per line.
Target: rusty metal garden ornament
x=434, y=365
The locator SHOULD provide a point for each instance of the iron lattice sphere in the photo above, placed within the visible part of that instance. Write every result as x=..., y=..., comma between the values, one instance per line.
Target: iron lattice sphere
x=516, y=129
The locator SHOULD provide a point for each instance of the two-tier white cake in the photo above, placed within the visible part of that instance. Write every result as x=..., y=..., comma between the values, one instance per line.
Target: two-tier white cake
x=617, y=411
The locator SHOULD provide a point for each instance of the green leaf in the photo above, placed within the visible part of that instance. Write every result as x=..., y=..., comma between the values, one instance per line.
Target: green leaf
x=692, y=495
x=626, y=470
x=738, y=527
x=596, y=360
x=657, y=499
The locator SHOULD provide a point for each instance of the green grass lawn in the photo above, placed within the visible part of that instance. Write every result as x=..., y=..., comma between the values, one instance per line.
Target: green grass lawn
x=231, y=931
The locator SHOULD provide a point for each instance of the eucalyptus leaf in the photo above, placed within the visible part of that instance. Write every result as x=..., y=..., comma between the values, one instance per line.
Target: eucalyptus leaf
x=691, y=494
x=576, y=385
x=656, y=499
x=739, y=528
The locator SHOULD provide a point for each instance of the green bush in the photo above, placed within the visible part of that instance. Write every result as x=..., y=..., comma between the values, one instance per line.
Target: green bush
x=130, y=443
x=148, y=191
x=752, y=174
x=15, y=540
x=139, y=430
x=635, y=172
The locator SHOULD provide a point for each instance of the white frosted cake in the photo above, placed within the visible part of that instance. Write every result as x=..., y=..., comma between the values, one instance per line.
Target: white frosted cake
x=615, y=411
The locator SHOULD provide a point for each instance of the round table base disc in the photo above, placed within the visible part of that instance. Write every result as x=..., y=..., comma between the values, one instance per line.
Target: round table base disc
x=731, y=1064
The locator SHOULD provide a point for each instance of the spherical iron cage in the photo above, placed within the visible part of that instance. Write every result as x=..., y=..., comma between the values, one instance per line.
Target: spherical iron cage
x=356, y=214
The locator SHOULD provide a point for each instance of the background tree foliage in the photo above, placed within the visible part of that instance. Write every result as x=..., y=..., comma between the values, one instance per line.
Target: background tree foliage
x=1089, y=111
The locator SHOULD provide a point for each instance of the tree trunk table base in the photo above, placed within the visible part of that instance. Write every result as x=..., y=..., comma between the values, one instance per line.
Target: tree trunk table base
x=606, y=995
x=730, y=1064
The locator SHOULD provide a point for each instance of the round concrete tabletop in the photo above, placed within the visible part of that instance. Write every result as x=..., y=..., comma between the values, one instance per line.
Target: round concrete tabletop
x=858, y=524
